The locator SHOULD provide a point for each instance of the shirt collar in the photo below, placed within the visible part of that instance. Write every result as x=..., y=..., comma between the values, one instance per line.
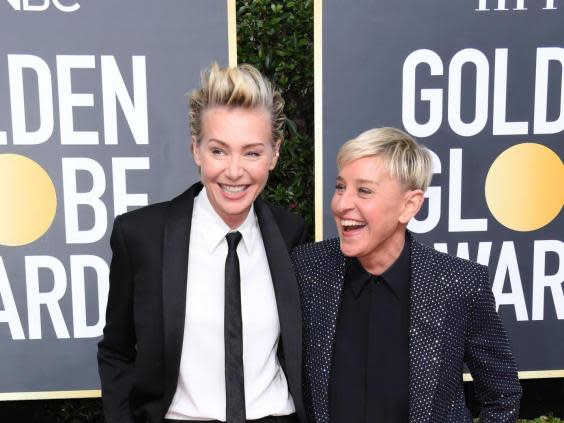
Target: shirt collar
x=357, y=276
x=213, y=229
x=396, y=277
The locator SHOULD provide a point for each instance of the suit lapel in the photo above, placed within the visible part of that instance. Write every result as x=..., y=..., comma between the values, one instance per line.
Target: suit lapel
x=287, y=295
x=428, y=296
x=174, y=278
x=325, y=294
x=332, y=305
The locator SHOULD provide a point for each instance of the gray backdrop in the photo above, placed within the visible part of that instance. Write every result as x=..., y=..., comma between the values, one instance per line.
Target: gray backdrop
x=365, y=46
x=177, y=39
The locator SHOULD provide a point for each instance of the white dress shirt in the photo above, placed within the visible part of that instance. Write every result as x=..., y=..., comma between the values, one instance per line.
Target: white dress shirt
x=200, y=394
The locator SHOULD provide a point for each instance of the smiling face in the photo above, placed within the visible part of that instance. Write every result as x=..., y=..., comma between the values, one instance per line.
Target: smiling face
x=235, y=155
x=371, y=211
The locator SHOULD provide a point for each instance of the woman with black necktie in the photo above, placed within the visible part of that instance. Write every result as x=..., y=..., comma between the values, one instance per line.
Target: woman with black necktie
x=203, y=319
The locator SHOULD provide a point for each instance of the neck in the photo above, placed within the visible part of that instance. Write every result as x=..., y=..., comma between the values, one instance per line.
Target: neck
x=231, y=220
x=234, y=223
x=379, y=261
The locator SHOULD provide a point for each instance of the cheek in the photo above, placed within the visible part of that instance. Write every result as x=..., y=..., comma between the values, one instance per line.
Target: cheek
x=209, y=169
x=260, y=171
x=372, y=215
x=381, y=217
x=334, y=201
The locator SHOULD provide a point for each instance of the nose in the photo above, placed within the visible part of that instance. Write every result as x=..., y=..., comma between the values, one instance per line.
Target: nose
x=342, y=202
x=234, y=169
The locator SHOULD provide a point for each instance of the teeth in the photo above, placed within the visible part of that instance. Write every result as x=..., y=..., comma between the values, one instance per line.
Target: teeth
x=233, y=188
x=350, y=222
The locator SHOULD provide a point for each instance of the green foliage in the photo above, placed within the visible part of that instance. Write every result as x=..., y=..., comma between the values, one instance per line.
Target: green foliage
x=277, y=38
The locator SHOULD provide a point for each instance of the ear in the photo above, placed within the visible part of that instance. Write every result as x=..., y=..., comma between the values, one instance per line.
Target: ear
x=275, y=155
x=412, y=202
x=196, y=151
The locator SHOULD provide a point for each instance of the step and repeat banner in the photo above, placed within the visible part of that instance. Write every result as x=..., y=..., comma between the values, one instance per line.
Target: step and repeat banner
x=93, y=122
x=480, y=83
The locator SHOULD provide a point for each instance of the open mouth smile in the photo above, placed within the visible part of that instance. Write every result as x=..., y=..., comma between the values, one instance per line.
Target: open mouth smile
x=349, y=225
x=233, y=189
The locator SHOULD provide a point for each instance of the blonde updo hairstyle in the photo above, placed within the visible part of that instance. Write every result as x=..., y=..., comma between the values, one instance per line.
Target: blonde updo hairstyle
x=240, y=86
x=407, y=161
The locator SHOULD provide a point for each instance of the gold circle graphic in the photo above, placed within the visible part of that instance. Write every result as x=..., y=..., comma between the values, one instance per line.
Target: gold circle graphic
x=28, y=200
x=525, y=187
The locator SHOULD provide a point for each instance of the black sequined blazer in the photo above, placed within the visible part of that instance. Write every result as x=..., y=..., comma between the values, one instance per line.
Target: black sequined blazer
x=453, y=320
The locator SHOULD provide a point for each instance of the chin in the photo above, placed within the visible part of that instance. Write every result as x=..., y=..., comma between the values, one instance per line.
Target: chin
x=349, y=250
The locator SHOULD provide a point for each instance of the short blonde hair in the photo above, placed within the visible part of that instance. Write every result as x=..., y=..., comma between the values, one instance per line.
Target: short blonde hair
x=240, y=86
x=407, y=161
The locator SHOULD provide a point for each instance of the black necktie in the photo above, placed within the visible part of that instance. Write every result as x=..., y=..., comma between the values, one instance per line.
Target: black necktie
x=234, y=378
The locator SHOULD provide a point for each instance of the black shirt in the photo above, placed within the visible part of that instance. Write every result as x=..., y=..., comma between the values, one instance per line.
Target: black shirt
x=370, y=370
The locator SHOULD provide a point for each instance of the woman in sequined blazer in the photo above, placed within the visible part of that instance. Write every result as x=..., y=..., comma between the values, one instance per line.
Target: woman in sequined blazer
x=452, y=319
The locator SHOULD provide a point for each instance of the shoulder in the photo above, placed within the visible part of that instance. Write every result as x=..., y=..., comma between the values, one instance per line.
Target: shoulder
x=459, y=267
x=284, y=217
x=330, y=246
x=141, y=225
x=154, y=216
x=291, y=227
x=447, y=260
x=319, y=267
x=317, y=256
x=143, y=215
x=460, y=274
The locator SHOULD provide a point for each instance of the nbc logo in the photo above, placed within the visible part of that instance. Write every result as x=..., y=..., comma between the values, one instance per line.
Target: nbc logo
x=41, y=5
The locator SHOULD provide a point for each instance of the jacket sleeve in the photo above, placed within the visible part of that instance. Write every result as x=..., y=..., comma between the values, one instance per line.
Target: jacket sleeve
x=489, y=358
x=116, y=351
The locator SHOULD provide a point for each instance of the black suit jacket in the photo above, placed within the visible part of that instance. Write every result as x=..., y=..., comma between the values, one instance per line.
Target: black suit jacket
x=453, y=320
x=139, y=355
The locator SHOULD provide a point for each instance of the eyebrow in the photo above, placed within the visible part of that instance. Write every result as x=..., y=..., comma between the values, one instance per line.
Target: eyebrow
x=367, y=181
x=361, y=181
x=225, y=144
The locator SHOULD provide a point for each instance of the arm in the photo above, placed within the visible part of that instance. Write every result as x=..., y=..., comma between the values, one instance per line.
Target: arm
x=489, y=358
x=116, y=351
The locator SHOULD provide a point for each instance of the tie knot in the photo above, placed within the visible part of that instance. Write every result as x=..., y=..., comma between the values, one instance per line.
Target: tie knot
x=233, y=239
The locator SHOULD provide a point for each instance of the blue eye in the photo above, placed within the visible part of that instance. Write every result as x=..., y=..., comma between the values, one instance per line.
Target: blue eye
x=339, y=187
